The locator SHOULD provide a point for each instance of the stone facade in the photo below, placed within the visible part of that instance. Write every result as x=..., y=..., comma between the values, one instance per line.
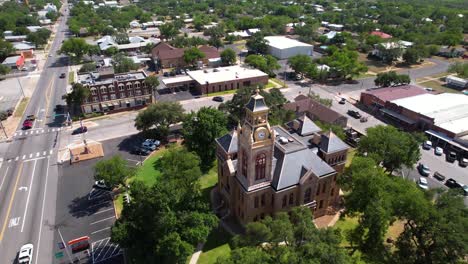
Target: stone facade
x=263, y=170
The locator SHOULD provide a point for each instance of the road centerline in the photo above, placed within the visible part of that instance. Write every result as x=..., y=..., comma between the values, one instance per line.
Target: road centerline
x=11, y=201
x=42, y=211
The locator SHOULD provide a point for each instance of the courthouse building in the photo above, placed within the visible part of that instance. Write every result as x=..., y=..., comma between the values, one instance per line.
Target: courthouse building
x=263, y=170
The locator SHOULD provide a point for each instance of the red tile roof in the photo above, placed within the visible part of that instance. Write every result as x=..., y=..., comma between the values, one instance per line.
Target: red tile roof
x=381, y=34
x=396, y=92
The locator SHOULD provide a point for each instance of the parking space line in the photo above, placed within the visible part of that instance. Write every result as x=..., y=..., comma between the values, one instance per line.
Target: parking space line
x=102, y=220
x=100, y=230
x=102, y=249
x=108, y=249
x=104, y=211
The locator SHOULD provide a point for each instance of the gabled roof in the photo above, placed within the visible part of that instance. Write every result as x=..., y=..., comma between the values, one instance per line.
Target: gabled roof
x=228, y=142
x=381, y=34
x=210, y=52
x=256, y=103
x=331, y=143
x=303, y=126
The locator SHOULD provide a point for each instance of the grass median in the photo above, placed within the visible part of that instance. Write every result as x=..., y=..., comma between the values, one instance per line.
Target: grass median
x=21, y=107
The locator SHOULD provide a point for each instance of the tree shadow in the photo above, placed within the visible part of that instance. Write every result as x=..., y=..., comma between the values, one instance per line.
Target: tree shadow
x=128, y=144
x=82, y=206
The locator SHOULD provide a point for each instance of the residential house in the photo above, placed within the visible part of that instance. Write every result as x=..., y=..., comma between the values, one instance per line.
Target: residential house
x=451, y=52
x=381, y=34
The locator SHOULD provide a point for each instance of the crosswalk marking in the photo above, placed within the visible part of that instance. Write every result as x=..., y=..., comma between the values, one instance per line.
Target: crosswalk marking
x=50, y=152
x=17, y=158
x=24, y=156
x=43, y=153
x=37, y=154
x=30, y=155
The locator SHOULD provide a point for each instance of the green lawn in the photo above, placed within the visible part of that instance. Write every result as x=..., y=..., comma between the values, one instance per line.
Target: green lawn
x=222, y=93
x=215, y=246
x=148, y=173
x=71, y=77
x=21, y=107
x=436, y=85
x=351, y=154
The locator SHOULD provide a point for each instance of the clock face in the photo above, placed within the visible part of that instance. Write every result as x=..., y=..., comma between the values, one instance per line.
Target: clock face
x=261, y=133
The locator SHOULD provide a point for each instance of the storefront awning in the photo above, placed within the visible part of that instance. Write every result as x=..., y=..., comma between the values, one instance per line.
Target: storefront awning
x=398, y=116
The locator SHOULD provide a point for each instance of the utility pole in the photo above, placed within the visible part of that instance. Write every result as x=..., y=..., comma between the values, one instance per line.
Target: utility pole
x=66, y=245
x=3, y=128
x=21, y=87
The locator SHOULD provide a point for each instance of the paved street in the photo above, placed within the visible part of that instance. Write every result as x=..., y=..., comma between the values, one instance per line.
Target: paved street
x=28, y=172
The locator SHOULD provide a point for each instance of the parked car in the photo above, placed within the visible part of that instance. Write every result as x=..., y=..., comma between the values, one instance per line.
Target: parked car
x=58, y=108
x=354, y=114
x=451, y=156
x=101, y=184
x=438, y=151
x=463, y=162
x=166, y=74
x=27, y=124
x=465, y=189
x=149, y=144
x=427, y=144
x=178, y=71
x=438, y=176
x=422, y=183
x=424, y=169
x=452, y=184
x=26, y=254
x=342, y=101
x=62, y=75
x=10, y=111
x=172, y=73
x=218, y=99
x=141, y=151
x=31, y=117
x=80, y=130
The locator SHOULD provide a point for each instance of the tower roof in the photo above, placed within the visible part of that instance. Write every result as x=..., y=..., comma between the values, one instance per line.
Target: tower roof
x=256, y=103
x=331, y=143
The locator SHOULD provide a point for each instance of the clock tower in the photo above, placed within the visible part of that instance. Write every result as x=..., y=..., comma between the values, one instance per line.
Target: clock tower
x=256, y=142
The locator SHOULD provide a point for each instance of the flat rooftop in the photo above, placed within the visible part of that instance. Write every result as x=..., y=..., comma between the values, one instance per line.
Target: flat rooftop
x=94, y=78
x=224, y=74
x=396, y=92
x=281, y=42
x=449, y=111
x=179, y=79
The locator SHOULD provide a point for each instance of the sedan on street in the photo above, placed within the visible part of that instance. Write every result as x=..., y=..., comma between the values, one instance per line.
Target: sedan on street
x=438, y=151
x=354, y=114
x=422, y=183
x=26, y=254
x=424, y=169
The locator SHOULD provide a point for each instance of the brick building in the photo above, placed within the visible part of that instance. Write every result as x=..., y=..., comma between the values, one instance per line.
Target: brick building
x=316, y=111
x=263, y=170
x=218, y=79
x=168, y=56
x=379, y=97
x=111, y=92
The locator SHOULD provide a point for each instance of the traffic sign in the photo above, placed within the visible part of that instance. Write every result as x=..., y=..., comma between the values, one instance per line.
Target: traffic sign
x=59, y=255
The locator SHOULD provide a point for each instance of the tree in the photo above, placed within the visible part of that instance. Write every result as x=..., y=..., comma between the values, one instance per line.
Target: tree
x=257, y=44
x=4, y=69
x=287, y=239
x=300, y=63
x=228, y=56
x=6, y=48
x=215, y=42
x=168, y=31
x=461, y=69
x=121, y=38
x=122, y=63
x=152, y=81
x=344, y=63
x=412, y=56
x=111, y=51
x=76, y=98
x=201, y=129
x=163, y=223
x=113, y=171
x=52, y=15
x=88, y=67
x=159, y=116
x=266, y=63
x=391, y=78
x=192, y=55
x=390, y=147
x=434, y=232
x=389, y=55
x=40, y=37
x=75, y=48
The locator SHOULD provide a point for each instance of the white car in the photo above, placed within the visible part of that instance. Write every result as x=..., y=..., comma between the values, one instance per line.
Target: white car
x=427, y=144
x=423, y=183
x=439, y=151
x=26, y=254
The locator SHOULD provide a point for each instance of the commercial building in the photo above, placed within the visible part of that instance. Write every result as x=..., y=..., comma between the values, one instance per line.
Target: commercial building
x=111, y=92
x=14, y=62
x=443, y=117
x=218, y=79
x=284, y=48
x=167, y=56
x=378, y=97
x=263, y=170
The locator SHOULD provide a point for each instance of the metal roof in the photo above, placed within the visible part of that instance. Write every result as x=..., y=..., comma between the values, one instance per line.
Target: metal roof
x=281, y=42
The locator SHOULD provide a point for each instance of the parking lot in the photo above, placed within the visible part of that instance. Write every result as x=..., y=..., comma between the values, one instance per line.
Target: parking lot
x=87, y=211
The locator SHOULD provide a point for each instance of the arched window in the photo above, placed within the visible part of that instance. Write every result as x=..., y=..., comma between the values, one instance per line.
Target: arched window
x=260, y=163
x=103, y=89
x=111, y=88
x=307, y=195
x=93, y=91
x=244, y=164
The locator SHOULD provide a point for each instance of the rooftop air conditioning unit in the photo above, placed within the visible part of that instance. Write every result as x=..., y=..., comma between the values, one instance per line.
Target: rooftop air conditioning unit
x=283, y=140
